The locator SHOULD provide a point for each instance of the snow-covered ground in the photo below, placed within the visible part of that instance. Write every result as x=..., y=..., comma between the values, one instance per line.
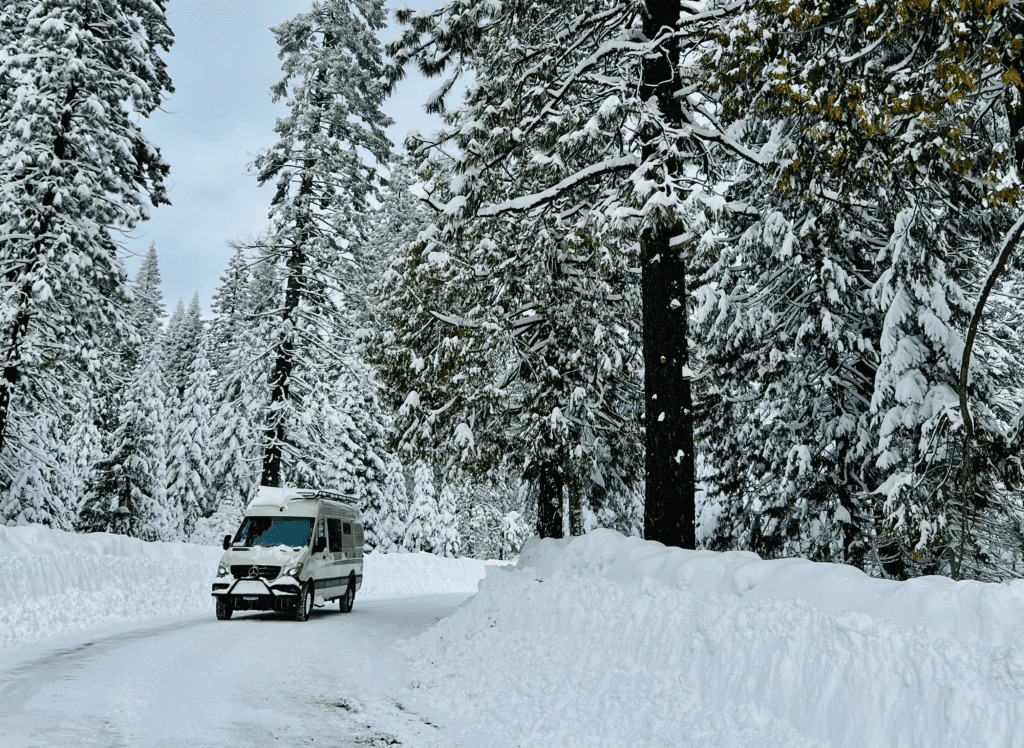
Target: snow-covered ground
x=607, y=640
x=54, y=582
x=602, y=640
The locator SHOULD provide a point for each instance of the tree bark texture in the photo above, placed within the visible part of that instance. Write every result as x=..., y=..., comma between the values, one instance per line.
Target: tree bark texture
x=669, y=510
x=549, y=501
x=284, y=363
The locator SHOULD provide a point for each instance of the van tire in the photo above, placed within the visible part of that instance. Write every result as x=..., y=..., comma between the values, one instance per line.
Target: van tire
x=346, y=600
x=304, y=605
x=224, y=608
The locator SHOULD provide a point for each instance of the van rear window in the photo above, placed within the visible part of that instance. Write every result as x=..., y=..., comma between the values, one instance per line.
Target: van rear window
x=271, y=531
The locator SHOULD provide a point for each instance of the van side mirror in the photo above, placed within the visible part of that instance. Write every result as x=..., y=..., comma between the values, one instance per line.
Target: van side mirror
x=227, y=542
x=320, y=545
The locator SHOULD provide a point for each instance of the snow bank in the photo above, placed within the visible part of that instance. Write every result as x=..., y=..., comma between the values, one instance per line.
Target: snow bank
x=607, y=640
x=54, y=582
x=990, y=614
x=397, y=574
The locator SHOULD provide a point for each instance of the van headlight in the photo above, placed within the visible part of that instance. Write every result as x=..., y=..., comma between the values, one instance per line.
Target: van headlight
x=222, y=571
x=294, y=571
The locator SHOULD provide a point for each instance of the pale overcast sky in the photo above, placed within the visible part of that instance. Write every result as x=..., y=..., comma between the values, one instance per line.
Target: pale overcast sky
x=223, y=63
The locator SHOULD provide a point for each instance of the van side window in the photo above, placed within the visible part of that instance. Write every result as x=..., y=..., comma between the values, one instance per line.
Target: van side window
x=348, y=529
x=334, y=534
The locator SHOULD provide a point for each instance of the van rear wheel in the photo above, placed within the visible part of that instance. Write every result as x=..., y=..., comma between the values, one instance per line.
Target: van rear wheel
x=348, y=598
x=304, y=605
x=224, y=608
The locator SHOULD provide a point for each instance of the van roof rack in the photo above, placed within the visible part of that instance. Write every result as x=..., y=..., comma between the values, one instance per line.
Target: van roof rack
x=320, y=493
x=275, y=496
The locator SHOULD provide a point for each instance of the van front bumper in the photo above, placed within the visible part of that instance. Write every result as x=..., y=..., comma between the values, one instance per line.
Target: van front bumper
x=259, y=594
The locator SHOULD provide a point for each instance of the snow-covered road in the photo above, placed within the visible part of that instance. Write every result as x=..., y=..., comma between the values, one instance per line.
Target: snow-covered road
x=259, y=679
x=600, y=640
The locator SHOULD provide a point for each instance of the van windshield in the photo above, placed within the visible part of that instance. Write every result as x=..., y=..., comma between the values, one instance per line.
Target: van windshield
x=271, y=531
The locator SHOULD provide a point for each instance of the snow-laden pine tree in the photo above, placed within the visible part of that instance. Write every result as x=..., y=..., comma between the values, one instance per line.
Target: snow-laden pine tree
x=361, y=469
x=422, y=529
x=180, y=345
x=188, y=448
x=488, y=512
x=323, y=167
x=127, y=491
x=513, y=534
x=387, y=522
x=402, y=215
x=119, y=358
x=449, y=544
x=170, y=343
x=832, y=316
x=74, y=165
x=85, y=446
x=231, y=306
x=480, y=524
x=234, y=459
x=587, y=141
x=146, y=312
x=547, y=347
x=41, y=489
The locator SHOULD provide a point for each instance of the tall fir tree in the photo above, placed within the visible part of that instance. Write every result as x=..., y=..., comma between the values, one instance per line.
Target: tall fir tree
x=387, y=521
x=127, y=492
x=422, y=530
x=41, y=489
x=832, y=323
x=332, y=66
x=188, y=469
x=146, y=312
x=169, y=342
x=185, y=331
x=233, y=457
x=231, y=307
x=75, y=165
x=449, y=544
x=596, y=142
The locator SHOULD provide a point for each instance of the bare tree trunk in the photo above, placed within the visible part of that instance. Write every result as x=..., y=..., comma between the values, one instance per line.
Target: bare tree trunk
x=1015, y=121
x=549, y=501
x=280, y=380
x=575, y=511
x=669, y=511
x=966, y=471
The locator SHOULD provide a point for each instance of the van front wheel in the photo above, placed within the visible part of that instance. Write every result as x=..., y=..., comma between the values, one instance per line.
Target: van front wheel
x=348, y=598
x=304, y=605
x=224, y=608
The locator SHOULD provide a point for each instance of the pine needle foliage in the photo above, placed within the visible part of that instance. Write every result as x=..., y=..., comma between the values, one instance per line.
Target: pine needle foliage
x=74, y=165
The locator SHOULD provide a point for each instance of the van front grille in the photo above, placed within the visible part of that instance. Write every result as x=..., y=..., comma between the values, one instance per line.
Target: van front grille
x=241, y=571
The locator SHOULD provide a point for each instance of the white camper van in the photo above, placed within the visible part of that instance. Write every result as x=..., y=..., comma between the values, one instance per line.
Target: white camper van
x=293, y=546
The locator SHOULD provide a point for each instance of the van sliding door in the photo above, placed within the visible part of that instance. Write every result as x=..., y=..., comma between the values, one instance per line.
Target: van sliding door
x=337, y=577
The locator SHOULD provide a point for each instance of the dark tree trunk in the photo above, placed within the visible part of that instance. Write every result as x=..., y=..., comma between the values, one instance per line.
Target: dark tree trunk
x=669, y=511
x=575, y=512
x=295, y=291
x=549, y=501
x=284, y=363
